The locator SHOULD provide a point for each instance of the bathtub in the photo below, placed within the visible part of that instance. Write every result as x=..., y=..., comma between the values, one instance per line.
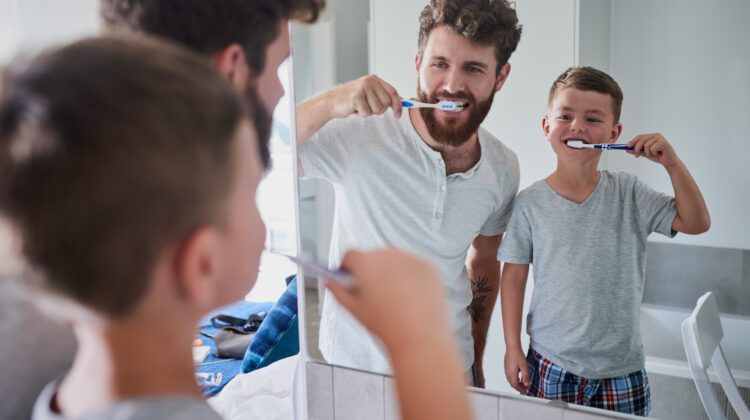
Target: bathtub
x=665, y=354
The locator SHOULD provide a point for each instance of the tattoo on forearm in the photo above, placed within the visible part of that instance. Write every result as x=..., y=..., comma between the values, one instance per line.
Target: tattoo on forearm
x=479, y=290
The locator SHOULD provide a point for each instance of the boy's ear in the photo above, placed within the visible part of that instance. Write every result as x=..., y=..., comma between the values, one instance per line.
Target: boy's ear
x=502, y=76
x=198, y=262
x=545, y=126
x=615, y=133
x=231, y=63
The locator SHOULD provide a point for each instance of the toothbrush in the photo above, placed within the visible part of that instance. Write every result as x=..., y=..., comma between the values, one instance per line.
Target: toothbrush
x=442, y=105
x=580, y=145
x=312, y=266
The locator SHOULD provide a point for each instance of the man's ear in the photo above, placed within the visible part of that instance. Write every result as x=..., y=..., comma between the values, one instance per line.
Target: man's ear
x=502, y=76
x=615, y=133
x=417, y=62
x=231, y=63
x=197, y=267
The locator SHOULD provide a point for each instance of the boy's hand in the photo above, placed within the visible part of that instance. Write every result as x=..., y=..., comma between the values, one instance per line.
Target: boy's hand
x=515, y=364
x=398, y=297
x=655, y=148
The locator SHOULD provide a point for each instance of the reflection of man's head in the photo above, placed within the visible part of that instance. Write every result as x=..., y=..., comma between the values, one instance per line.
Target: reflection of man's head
x=462, y=51
x=212, y=27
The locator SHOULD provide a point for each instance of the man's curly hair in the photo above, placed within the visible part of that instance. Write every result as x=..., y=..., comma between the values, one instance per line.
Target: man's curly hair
x=485, y=22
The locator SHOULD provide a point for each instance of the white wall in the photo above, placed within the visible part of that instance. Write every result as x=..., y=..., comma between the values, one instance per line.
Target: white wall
x=684, y=67
x=32, y=24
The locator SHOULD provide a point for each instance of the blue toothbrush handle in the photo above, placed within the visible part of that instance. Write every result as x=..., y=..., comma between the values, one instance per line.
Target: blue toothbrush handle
x=614, y=147
x=407, y=103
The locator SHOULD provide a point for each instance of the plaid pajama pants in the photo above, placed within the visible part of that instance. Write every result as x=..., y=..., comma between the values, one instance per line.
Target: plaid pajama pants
x=629, y=393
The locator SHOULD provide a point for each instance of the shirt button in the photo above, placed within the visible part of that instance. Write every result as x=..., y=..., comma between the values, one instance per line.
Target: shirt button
x=442, y=187
x=438, y=215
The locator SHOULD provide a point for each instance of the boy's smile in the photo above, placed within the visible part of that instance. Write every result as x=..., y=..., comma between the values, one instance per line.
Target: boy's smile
x=579, y=115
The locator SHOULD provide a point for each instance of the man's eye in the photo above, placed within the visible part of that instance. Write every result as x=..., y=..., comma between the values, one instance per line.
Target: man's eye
x=439, y=65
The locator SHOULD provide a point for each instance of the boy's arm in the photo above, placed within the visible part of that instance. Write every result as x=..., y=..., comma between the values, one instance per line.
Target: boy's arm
x=484, y=274
x=365, y=96
x=692, y=213
x=428, y=370
x=512, y=290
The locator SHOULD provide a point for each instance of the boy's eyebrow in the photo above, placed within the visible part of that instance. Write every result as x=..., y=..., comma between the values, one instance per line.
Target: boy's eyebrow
x=590, y=111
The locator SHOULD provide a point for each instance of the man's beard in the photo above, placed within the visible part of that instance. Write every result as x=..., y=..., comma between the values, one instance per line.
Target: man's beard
x=263, y=121
x=450, y=131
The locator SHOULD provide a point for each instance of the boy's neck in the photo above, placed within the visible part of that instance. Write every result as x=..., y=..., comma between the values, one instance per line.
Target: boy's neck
x=575, y=181
x=125, y=359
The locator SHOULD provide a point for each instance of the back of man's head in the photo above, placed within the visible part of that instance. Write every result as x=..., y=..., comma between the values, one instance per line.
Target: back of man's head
x=110, y=151
x=208, y=26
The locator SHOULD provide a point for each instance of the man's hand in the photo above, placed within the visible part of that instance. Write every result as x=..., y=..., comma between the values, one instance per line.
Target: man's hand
x=517, y=370
x=479, y=374
x=366, y=96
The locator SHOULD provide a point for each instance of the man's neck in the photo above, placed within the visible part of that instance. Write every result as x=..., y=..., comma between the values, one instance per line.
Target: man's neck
x=128, y=359
x=457, y=158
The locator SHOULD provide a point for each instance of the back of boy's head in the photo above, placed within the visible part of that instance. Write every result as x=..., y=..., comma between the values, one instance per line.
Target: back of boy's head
x=110, y=151
x=589, y=79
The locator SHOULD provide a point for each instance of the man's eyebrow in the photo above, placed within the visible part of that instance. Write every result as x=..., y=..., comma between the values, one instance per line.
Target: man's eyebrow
x=465, y=63
x=476, y=64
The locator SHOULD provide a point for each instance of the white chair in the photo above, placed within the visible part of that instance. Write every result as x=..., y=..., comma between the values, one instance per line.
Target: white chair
x=702, y=334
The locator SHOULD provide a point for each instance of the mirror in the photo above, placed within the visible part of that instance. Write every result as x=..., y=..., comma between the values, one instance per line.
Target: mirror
x=683, y=67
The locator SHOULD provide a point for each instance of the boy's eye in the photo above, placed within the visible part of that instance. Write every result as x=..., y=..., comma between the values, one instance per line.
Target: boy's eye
x=564, y=117
x=594, y=120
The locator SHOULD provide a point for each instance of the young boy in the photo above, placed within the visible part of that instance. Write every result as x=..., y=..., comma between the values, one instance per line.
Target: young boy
x=128, y=171
x=585, y=232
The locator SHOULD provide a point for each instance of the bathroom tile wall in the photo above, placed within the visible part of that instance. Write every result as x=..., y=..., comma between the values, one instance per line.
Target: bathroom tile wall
x=676, y=275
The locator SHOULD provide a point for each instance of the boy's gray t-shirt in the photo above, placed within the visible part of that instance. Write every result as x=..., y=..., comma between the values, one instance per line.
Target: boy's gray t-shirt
x=589, y=263
x=174, y=407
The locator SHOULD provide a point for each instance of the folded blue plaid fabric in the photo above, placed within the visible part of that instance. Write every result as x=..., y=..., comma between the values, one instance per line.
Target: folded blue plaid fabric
x=277, y=337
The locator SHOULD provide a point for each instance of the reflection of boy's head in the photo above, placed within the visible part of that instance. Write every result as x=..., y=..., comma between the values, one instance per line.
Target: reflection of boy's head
x=111, y=151
x=588, y=79
x=484, y=22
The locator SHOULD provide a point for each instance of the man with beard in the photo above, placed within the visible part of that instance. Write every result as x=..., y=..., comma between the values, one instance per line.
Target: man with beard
x=246, y=40
x=429, y=181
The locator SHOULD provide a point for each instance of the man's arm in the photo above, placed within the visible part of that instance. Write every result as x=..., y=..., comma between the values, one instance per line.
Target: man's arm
x=484, y=273
x=365, y=96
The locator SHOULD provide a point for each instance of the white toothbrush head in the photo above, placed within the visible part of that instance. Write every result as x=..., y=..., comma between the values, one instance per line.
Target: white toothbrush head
x=450, y=106
x=578, y=144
